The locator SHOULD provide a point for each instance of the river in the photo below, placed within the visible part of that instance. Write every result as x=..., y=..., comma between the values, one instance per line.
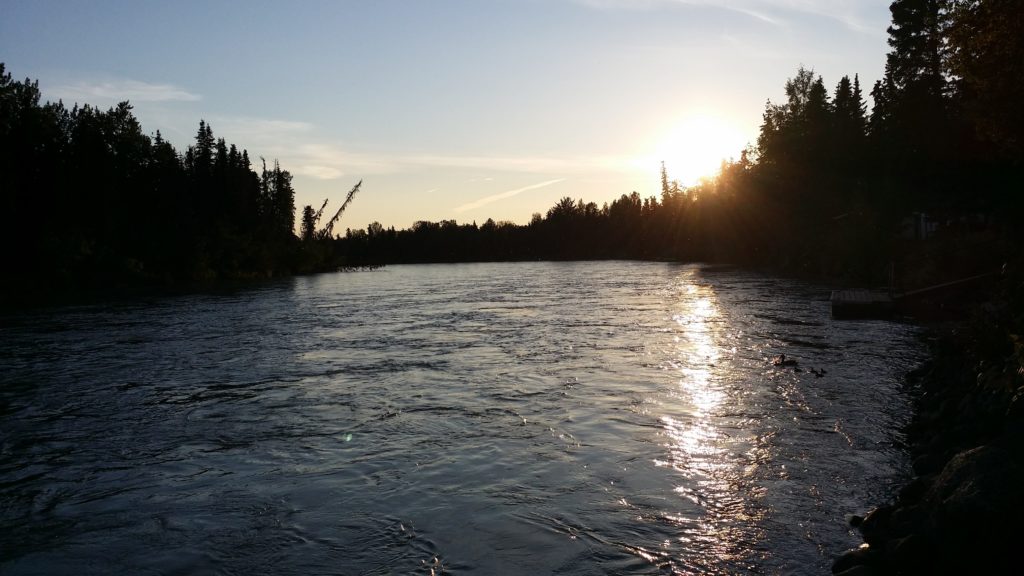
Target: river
x=528, y=418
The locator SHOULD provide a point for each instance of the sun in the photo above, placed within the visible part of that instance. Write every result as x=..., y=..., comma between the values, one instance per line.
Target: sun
x=694, y=147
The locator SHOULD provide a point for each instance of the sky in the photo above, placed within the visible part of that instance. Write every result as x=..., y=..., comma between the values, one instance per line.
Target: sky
x=449, y=109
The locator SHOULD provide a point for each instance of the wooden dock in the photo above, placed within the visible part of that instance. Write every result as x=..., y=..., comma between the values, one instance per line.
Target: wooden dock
x=861, y=304
x=922, y=302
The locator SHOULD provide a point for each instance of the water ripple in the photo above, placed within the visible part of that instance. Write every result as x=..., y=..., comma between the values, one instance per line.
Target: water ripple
x=562, y=418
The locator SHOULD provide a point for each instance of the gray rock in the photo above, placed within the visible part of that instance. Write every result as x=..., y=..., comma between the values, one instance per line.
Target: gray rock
x=908, y=553
x=860, y=570
x=853, y=558
x=972, y=501
x=875, y=527
x=905, y=520
x=975, y=482
x=914, y=490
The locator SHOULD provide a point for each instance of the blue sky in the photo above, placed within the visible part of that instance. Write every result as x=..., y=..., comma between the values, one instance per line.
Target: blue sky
x=449, y=109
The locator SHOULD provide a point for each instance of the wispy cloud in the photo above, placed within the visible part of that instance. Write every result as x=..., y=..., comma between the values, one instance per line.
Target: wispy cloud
x=246, y=126
x=854, y=14
x=328, y=161
x=525, y=163
x=119, y=90
x=850, y=13
x=304, y=149
x=319, y=172
x=501, y=196
x=751, y=8
x=300, y=146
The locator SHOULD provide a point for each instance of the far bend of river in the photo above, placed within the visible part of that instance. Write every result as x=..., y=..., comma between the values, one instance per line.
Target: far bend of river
x=537, y=418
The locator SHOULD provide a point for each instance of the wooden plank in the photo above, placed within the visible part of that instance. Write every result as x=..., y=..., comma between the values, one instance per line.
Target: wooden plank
x=859, y=303
x=955, y=283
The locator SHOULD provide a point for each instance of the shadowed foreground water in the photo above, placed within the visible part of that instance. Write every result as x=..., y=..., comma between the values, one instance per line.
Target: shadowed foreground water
x=540, y=418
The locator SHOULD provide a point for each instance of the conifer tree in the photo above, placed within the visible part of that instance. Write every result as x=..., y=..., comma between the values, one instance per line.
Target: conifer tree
x=986, y=57
x=914, y=86
x=308, y=223
x=848, y=105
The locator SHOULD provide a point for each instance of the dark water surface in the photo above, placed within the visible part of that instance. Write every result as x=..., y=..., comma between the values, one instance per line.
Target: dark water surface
x=541, y=418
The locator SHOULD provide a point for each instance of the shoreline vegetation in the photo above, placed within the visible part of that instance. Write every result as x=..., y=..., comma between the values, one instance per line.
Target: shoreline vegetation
x=924, y=190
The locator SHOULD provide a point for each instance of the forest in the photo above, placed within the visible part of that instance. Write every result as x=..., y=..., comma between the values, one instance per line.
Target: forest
x=927, y=182
x=91, y=204
x=929, y=179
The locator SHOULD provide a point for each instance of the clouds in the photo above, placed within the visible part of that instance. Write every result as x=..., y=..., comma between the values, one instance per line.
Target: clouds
x=751, y=8
x=243, y=126
x=307, y=150
x=304, y=148
x=518, y=163
x=301, y=147
x=328, y=161
x=503, y=195
x=319, y=172
x=93, y=92
x=851, y=13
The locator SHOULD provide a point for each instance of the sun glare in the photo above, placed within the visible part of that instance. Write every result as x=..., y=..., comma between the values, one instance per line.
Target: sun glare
x=694, y=147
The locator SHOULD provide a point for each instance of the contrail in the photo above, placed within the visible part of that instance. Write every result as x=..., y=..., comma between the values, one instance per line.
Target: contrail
x=494, y=198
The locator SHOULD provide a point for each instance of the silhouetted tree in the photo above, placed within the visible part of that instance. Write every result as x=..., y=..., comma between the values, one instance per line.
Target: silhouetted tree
x=850, y=119
x=986, y=57
x=308, y=224
x=911, y=126
x=277, y=201
x=122, y=208
x=329, y=228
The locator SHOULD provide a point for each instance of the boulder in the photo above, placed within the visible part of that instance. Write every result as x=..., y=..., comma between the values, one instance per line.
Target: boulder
x=854, y=558
x=875, y=527
x=973, y=502
x=859, y=570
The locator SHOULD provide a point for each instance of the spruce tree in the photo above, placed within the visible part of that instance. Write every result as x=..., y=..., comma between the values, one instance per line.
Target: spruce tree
x=911, y=123
x=986, y=57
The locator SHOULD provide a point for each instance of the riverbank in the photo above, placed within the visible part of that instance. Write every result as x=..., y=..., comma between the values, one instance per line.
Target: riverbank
x=24, y=295
x=959, y=513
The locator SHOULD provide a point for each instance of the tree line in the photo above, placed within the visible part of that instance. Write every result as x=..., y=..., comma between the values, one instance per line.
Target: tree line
x=829, y=187
x=89, y=201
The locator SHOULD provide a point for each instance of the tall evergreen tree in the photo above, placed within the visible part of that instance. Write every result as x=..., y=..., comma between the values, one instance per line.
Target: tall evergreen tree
x=284, y=202
x=986, y=57
x=205, y=146
x=914, y=83
x=849, y=108
x=916, y=43
x=308, y=223
x=912, y=124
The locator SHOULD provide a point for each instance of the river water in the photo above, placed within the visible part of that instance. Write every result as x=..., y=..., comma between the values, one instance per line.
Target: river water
x=532, y=418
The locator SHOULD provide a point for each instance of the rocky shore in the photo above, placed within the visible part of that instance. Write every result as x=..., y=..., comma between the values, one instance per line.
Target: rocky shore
x=962, y=511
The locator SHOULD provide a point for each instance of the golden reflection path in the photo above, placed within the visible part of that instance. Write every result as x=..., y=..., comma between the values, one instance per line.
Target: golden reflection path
x=698, y=447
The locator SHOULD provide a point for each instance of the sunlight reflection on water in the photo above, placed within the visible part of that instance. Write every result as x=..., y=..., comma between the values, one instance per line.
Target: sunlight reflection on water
x=695, y=445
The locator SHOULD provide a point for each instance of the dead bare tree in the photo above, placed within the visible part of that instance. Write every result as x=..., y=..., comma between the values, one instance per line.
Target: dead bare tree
x=328, y=230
